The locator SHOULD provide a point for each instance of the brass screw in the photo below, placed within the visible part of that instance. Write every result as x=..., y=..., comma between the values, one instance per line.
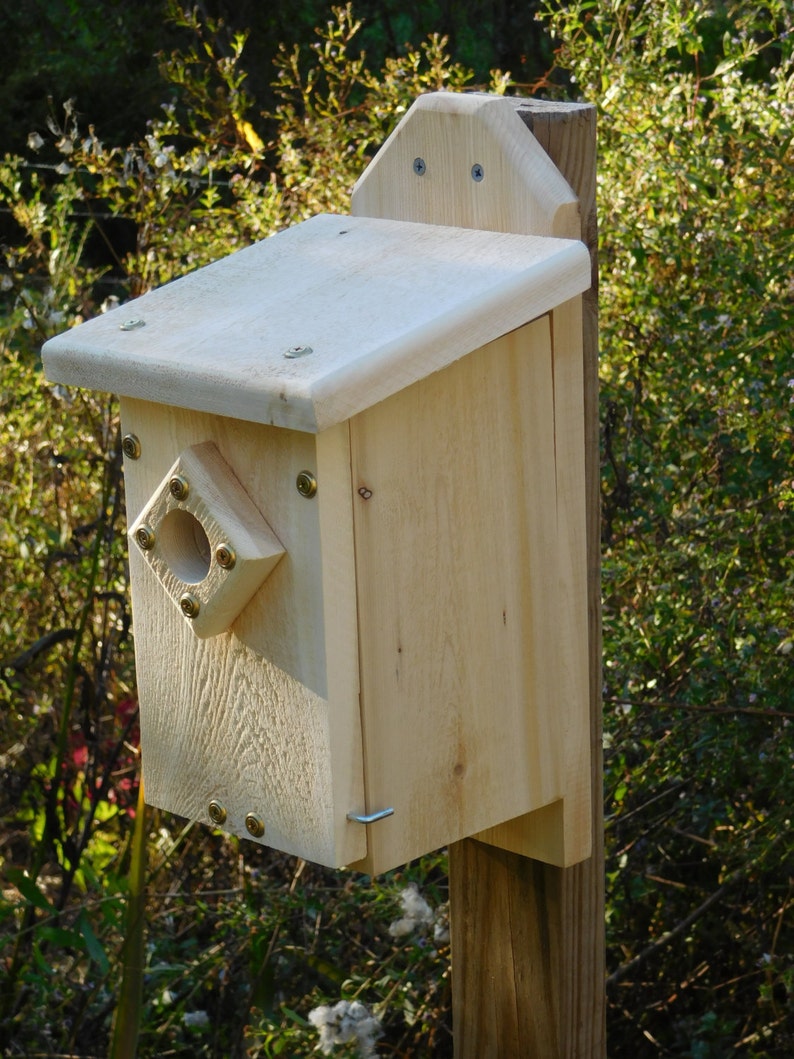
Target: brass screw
x=216, y=812
x=131, y=446
x=179, y=487
x=306, y=484
x=144, y=535
x=189, y=605
x=225, y=556
x=254, y=825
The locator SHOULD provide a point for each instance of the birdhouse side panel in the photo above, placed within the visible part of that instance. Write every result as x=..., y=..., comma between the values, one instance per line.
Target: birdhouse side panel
x=254, y=718
x=455, y=529
x=560, y=833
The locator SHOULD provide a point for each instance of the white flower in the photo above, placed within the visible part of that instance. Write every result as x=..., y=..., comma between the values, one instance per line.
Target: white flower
x=346, y=1023
x=35, y=141
x=417, y=913
x=60, y=393
x=441, y=925
x=197, y=1019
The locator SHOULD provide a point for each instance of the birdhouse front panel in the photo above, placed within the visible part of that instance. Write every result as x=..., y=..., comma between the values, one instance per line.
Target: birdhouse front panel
x=255, y=728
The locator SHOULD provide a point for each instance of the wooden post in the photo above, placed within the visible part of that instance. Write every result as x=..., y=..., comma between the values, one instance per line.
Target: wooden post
x=528, y=938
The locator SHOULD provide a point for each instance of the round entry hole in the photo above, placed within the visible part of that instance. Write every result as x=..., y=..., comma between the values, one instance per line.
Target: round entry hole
x=185, y=546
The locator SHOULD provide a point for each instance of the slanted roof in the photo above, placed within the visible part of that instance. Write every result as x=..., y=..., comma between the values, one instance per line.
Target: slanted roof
x=381, y=304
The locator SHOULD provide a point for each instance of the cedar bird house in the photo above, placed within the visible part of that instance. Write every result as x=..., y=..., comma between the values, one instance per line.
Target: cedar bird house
x=354, y=475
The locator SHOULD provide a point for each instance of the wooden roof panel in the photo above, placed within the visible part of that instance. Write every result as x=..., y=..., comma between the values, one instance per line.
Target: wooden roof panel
x=380, y=303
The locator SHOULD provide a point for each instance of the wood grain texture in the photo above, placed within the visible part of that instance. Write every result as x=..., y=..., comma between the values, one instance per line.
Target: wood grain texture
x=262, y=718
x=567, y=132
x=464, y=631
x=528, y=939
x=531, y=194
x=508, y=998
x=215, y=340
x=547, y=952
x=520, y=190
x=561, y=833
x=185, y=533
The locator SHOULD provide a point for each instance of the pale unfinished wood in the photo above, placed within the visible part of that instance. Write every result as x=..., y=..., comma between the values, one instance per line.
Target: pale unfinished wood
x=463, y=628
x=560, y=833
x=567, y=132
x=444, y=136
x=263, y=718
x=182, y=535
x=216, y=339
x=528, y=939
x=532, y=195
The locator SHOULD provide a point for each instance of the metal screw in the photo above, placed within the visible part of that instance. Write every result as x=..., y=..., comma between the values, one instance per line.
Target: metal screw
x=297, y=351
x=144, y=535
x=133, y=324
x=179, y=487
x=189, y=605
x=420, y=168
x=477, y=172
x=216, y=812
x=225, y=556
x=254, y=825
x=131, y=446
x=306, y=484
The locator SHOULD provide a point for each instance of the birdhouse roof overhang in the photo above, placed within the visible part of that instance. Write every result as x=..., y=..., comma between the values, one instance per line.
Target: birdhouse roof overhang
x=313, y=325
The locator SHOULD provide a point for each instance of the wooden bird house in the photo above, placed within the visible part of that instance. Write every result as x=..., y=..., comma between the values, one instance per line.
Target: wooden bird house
x=354, y=466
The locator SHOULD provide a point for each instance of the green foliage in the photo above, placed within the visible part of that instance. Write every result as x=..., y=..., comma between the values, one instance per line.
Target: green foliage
x=695, y=200
x=696, y=215
x=95, y=223
x=334, y=114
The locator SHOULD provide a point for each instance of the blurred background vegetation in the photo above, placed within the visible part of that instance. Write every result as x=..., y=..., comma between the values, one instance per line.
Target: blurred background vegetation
x=143, y=140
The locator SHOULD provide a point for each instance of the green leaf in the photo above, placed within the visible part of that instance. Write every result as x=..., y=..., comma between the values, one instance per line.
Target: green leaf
x=92, y=943
x=29, y=889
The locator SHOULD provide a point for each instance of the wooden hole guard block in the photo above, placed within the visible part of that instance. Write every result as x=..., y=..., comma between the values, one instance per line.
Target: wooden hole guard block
x=187, y=533
x=422, y=642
